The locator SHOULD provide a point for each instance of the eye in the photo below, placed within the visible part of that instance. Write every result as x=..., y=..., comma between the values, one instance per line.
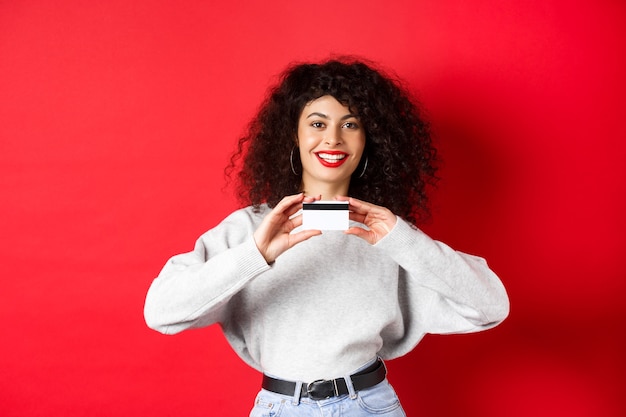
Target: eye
x=351, y=125
x=317, y=125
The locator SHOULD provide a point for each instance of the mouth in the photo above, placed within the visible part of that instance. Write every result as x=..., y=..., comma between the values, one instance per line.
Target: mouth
x=331, y=159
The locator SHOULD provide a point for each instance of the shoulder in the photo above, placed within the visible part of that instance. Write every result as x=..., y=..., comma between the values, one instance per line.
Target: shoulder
x=246, y=216
x=237, y=226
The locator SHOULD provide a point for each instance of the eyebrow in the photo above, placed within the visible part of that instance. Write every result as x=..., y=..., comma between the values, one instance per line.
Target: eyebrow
x=324, y=116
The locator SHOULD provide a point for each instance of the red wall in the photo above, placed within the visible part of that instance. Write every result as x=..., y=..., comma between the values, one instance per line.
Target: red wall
x=117, y=118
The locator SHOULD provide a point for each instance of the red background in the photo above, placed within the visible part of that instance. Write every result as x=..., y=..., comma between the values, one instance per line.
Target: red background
x=117, y=119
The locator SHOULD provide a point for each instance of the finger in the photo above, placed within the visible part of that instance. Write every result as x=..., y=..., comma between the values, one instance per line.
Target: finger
x=296, y=200
x=289, y=205
x=310, y=199
x=359, y=206
x=294, y=209
x=296, y=221
x=359, y=232
x=289, y=201
x=297, y=206
x=357, y=217
x=302, y=236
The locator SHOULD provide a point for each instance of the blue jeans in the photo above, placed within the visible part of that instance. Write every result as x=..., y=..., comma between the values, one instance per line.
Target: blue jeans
x=379, y=400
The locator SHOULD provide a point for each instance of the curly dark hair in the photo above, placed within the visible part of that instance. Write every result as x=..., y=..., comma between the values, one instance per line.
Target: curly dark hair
x=401, y=159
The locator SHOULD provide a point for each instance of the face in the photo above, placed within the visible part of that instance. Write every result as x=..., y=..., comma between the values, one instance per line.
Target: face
x=331, y=141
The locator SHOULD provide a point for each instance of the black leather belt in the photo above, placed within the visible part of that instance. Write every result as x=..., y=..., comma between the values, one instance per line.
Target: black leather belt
x=322, y=389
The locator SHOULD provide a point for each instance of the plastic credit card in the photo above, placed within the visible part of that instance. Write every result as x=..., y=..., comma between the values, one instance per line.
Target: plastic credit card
x=325, y=215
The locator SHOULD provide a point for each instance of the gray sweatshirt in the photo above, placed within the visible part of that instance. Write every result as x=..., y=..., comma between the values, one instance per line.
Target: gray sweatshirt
x=328, y=305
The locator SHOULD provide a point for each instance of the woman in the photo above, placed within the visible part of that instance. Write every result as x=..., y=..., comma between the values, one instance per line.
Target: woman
x=315, y=311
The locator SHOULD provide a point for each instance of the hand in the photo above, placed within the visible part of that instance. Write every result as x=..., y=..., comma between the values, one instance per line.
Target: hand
x=379, y=219
x=273, y=237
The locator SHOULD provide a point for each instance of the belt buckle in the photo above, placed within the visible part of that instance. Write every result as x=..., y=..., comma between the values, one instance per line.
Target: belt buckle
x=321, y=389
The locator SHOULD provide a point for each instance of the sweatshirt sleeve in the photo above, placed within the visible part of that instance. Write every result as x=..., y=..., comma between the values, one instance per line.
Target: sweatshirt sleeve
x=193, y=288
x=450, y=291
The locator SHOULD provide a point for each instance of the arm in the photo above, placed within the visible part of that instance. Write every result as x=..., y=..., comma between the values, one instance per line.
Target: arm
x=457, y=292
x=193, y=288
x=463, y=294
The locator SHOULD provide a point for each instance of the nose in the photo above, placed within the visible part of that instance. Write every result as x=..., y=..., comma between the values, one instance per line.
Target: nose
x=333, y=137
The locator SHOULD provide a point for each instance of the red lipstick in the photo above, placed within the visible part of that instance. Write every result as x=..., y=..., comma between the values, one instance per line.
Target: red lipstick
x=331, y=159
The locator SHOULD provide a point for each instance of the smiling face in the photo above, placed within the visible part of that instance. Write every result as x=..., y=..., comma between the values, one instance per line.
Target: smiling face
x=331, y=141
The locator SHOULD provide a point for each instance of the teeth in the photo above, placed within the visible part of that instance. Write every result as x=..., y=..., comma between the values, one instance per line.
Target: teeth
x=331, y=158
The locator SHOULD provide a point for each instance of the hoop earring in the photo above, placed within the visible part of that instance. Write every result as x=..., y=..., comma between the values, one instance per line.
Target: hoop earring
x=291, y=161
x=364, y=167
